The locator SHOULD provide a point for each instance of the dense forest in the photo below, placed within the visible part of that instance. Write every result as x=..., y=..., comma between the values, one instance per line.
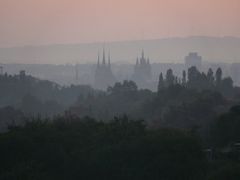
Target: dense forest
x=73, y=148
x=35, y=96
x=192, y=101
x=187, y=129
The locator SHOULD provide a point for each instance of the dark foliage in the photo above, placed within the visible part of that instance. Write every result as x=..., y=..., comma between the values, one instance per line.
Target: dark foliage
x=85, y=149
x=34, y=96
x=225, y=130
x=199, y=81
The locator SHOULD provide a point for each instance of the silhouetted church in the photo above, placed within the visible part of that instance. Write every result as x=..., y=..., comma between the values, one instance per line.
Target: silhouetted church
x=103, y=74
x=142, y=71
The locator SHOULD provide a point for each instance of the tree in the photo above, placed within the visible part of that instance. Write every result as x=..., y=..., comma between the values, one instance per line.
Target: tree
x=73, y=148
x=129, y=86
x=210, y=77
x=194, y=77
x=225, y=130
x=192, y=73
x=184, y=78
x=218, y=77
x=31, y=105
x=125, y=87
x=160, y=82
x=227, y=83
x=170, y=78
x=226, y=86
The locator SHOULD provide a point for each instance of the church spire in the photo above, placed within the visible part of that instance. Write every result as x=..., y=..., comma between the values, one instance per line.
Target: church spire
x=98, y=62
x=76, y=71
x=109, y=61
x=142, y=54
x=137, y=62
x=104, y=60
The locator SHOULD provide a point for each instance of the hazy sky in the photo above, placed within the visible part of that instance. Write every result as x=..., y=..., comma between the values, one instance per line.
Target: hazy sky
x=34, y=22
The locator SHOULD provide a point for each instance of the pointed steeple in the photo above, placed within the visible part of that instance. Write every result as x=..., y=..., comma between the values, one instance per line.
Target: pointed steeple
x=160, y=82
x=103, y=60
x=142, y=54
x=76, y=72
x=109, y=61
x=98, y=62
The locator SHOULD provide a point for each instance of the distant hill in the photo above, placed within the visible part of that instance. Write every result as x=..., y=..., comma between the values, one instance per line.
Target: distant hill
x=213, y=49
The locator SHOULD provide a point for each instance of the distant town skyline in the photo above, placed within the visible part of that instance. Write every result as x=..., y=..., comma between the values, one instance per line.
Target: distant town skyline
x=32, y=22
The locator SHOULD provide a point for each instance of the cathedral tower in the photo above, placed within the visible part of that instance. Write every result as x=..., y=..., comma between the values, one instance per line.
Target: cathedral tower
x=103, y=74
x=142, y=70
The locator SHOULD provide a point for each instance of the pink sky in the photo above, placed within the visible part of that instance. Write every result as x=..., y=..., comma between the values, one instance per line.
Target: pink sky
x=35, y=22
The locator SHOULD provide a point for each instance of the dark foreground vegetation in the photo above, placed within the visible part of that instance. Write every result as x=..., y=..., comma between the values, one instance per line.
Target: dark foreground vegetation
x=190, y=129
x=73, y=148
x=86, y=149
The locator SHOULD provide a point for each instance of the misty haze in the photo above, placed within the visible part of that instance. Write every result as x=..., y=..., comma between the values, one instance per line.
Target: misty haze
x=128, y=90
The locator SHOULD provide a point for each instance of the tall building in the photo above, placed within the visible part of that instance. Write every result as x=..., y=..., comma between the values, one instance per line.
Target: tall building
x=193, y=59
x=103, y=74
x=142, y=71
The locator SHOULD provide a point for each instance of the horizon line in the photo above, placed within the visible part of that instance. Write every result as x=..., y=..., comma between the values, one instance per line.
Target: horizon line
x=103, y=42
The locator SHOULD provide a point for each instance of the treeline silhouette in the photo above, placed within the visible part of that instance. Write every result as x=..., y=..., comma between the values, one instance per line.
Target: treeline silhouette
x=194, y=79
x=68, y=147
x=34, y=96
x=190, y=129
x=191, y=102
x=72, y=148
